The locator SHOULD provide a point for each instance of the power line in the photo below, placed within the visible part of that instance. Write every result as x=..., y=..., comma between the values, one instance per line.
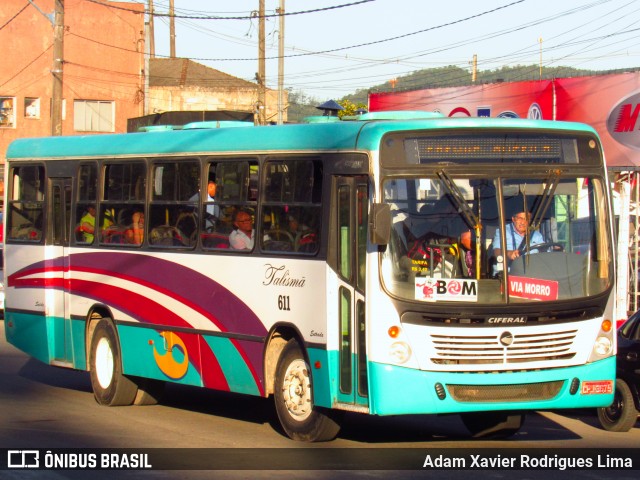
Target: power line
x=14, y=17
x=308, y=53
x=130, y=50
x=363, y=65
x=366, y=44
x=245, y=17
x=557, y=16
x=28, y=65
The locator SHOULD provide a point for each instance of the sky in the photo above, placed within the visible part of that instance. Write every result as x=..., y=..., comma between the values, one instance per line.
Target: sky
x=335, y=47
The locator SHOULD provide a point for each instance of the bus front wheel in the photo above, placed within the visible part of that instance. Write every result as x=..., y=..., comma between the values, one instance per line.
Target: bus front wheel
x=621, y=415
x=300, y=419
x=110, y=386
x=492, y=424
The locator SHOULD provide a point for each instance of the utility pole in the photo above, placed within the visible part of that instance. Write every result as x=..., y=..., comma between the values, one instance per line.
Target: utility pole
x=172, y=30
x=281, y=65
x=540, y=40
x=474, y=68
x=58, y=61
x=148, y=53
x=262, y=93
x=152, y=33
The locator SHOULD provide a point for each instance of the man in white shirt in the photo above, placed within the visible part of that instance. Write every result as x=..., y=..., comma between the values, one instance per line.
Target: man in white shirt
x=243, y=237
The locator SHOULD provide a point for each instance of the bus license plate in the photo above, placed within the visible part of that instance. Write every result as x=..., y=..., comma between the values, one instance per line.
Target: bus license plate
x=597, y=388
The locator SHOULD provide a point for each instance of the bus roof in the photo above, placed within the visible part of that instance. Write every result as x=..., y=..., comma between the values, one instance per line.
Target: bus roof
x=333, y=136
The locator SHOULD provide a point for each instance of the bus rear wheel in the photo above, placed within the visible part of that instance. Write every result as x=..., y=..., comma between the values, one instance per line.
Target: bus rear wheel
x=110, y=386
x=300, y=419
x=621, y=415
x=492, y=424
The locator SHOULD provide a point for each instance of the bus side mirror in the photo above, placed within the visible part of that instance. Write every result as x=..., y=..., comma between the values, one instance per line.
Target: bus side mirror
x=380, y=224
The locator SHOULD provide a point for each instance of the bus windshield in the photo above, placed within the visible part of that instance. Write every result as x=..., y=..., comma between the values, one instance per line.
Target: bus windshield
x=449, y=235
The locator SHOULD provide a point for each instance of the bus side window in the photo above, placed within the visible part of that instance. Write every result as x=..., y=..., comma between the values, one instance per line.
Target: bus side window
x=292, y=199
x=87, y=200
x=26, y=204
x=124, y=194
x=175, y=201
x=235, y=191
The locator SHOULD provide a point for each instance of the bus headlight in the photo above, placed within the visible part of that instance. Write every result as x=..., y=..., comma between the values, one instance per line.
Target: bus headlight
x=400, y=352
x=603, y=346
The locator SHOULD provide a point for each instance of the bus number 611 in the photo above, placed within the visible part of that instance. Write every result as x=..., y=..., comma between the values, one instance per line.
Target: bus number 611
x=283, y=302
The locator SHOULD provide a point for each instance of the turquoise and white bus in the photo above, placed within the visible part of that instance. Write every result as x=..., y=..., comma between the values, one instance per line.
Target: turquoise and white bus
x=370, y=283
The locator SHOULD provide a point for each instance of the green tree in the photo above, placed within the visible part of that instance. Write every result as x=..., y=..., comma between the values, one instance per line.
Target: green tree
x=301, y=106
x=349, y=108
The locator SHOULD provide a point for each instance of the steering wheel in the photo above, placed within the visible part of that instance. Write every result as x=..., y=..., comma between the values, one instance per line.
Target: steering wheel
x=543, y=247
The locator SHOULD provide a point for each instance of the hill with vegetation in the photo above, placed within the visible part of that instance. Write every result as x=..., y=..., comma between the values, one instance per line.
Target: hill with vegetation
x=301, y=105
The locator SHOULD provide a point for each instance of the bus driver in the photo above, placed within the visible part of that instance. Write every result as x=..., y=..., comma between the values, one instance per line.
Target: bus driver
x=515, y=234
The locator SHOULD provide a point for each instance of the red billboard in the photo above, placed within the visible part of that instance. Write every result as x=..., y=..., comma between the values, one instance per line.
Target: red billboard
x=609, y=103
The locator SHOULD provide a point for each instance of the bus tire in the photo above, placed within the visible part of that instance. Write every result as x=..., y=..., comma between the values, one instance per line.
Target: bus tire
x=621, y=415
x=492, y=424
x=293, y=396
x=150, y=391
x=110, y=386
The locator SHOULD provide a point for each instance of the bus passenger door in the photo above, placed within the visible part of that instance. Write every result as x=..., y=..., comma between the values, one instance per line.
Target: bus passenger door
x=57, y=295
x=351, y=216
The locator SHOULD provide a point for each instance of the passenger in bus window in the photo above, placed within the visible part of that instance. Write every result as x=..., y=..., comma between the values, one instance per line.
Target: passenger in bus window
x=467, y=243
x=515, y=233
x=304, y=237
x=243, y=237
x=88, y=224
x=108, y=218
x=295, y=227
x=135, y=235
x=85, y=231
x=212, y=211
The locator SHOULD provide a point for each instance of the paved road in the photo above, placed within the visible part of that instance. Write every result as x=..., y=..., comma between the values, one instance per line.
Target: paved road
x=46, y=407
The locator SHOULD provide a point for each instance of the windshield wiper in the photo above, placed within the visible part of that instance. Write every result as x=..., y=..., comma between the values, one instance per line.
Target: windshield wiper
x=472, y=220
x=547, y=196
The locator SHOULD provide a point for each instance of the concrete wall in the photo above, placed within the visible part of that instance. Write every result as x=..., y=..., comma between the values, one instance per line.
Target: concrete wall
x=165, y=99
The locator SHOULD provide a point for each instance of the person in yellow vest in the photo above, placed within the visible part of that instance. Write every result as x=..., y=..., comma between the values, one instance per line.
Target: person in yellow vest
x=88, y=224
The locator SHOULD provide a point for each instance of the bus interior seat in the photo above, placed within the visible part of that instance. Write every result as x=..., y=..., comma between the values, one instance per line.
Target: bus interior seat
x=124, y=216
x=306, y=242
x=114, y=234
x=168, y=236
x=279, y=240
x=215, y=240
x=447, y=260
x=187, y=224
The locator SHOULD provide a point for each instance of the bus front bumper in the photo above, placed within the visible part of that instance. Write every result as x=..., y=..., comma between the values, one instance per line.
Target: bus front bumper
x=396, y=390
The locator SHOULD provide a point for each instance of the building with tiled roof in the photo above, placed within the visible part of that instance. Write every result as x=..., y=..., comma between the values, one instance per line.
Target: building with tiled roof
x=180, y=84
